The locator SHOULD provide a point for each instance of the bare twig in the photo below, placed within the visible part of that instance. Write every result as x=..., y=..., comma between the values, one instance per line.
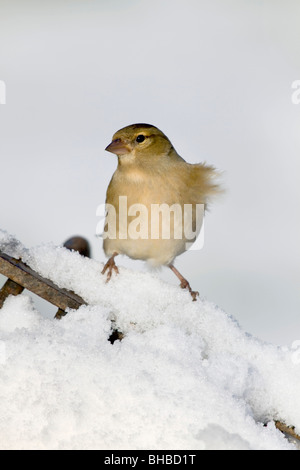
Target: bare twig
x=27, y=278
x=290, y=430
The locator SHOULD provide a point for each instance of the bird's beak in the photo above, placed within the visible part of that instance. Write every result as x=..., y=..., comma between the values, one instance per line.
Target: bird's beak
x=118, y=147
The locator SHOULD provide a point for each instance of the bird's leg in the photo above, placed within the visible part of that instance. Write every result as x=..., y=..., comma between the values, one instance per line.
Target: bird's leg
x=110, y=266
x=184, y=284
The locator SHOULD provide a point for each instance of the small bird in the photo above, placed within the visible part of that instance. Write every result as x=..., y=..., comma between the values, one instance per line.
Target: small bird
x=150, y=179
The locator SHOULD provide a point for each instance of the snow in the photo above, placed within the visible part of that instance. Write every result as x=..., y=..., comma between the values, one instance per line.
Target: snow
x=185, y=376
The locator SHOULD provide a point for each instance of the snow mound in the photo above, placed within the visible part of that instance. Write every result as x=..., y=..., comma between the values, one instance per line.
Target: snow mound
x=184, y=377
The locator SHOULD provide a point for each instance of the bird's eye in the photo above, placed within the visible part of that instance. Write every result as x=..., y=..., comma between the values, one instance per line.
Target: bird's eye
x=140, y=138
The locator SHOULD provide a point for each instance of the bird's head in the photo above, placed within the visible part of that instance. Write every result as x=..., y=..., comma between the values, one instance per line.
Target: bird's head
x=139, y=142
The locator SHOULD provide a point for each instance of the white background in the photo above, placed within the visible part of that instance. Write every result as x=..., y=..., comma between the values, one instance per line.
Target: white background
x=214, y=75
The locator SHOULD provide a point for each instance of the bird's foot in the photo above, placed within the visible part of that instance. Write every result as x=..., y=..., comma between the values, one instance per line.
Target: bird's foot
x=110, y=266
x=186, y=285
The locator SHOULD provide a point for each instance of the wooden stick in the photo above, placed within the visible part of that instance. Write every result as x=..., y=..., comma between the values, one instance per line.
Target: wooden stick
x=21, y=274
x=9, y=288
x=290, y=430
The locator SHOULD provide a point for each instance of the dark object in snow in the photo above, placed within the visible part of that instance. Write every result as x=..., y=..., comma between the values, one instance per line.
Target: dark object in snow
x=79, y=244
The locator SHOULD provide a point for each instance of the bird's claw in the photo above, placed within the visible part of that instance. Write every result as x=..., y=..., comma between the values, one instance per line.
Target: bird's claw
x=194, y=295
x=109, y=267
x=186, y=285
